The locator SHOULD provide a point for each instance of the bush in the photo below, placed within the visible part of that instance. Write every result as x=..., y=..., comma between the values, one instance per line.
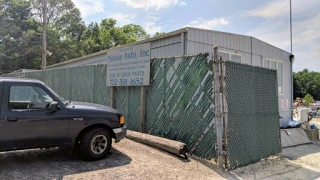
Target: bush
x=308, y=99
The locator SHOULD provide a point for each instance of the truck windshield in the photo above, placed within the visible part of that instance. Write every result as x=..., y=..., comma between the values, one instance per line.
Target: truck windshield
x=65, y=102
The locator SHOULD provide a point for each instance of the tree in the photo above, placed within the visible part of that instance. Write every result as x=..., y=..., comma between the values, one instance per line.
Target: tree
x=67, y=35
x=305, y=82
x=308, y=99
x=20, y=35
x=135, y=32
x=107, y=34
x=57, y=10
x=64, y=30
x=158, y=34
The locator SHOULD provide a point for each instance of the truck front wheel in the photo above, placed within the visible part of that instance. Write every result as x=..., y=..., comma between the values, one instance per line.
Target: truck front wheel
x=95, y=144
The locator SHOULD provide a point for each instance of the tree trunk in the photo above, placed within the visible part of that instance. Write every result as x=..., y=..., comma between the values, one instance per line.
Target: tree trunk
x=171, y=146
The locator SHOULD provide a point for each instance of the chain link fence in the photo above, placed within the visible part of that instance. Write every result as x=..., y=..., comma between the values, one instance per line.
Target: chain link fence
x=253, y=114
x=127, y=101
x=179, y=104
x=83, y=83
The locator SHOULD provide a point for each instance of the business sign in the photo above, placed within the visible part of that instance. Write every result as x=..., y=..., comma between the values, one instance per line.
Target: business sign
x=129, y=66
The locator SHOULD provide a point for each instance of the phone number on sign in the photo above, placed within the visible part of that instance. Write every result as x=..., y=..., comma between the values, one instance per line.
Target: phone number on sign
x=124, y=82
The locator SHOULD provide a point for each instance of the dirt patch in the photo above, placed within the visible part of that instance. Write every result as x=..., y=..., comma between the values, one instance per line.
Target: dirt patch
x=127, y=160
x=150, y=163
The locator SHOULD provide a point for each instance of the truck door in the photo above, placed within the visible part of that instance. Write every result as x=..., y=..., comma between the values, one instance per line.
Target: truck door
x=27, y=118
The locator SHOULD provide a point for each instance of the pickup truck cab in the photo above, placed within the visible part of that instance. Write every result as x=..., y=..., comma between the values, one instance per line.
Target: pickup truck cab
x=34, y=116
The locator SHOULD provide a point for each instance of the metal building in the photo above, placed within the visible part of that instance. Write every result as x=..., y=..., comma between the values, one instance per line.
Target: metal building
x=234, y=47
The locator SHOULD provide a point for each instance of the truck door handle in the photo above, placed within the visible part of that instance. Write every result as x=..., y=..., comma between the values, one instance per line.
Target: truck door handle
x=11, y=119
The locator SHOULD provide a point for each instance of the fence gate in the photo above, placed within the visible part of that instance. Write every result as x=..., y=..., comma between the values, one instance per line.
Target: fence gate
x=179, y=102
x=247, y=113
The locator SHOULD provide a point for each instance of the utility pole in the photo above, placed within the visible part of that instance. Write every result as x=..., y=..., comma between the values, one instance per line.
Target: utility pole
x=44, y=34
x=291, y=60
x=291, y=26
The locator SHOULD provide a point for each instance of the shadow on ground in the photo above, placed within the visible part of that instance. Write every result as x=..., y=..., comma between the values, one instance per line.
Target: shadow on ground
x=296, y=152
x=53, y=163
x=180, y=157
x=275, y=168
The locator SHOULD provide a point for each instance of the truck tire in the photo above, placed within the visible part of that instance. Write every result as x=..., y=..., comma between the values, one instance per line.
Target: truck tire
x=95, y=144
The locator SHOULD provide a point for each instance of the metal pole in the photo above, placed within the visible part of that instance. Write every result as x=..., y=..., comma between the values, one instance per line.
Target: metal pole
x=44, y=34
x=224, y=109
x=291, y=62
x=143, y=108
x=217, y=118
x=291, y=26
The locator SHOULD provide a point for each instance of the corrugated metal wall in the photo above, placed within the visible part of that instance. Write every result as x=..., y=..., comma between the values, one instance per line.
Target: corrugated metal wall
x=203, y=40
x=224, y=40
x=170, y=46
x=253, y=52
x=266, y=50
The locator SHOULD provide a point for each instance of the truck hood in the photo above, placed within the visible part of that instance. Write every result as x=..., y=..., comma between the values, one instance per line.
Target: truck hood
x=91, y=106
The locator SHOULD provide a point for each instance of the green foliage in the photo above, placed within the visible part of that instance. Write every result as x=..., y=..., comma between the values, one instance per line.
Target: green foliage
x=158, y=34
x=20, y=35
x=308, y=99
x=306, y=82
x=135, y=32
x=67, y=35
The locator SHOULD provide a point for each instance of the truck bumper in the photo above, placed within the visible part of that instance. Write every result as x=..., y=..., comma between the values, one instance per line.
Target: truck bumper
x=120, y=133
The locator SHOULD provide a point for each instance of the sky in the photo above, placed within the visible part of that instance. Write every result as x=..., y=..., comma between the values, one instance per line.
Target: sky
x=267, y=20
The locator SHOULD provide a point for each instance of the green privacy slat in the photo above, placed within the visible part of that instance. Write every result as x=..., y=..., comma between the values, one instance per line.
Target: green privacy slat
x=82, y=83
x=179, y=103
x=253, y=124
x=61, y=82
x=101, y=91
x=128, y=103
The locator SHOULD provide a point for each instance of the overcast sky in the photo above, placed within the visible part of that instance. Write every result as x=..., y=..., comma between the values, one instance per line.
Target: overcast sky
x=265, y=20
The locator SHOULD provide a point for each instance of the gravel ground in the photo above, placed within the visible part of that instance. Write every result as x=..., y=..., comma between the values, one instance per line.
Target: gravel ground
x=131, y=160
x=127, y=160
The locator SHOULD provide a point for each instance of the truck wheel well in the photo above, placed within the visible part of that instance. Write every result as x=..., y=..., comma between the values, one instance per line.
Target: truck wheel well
x=93, y=127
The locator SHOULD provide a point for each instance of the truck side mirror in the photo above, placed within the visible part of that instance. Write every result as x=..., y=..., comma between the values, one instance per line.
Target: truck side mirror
x=54, y=106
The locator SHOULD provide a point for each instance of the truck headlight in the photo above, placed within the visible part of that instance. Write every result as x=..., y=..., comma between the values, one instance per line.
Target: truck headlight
x=121, y=120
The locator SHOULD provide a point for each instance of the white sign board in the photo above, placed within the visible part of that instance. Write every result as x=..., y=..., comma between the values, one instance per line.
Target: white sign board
x=129, y=66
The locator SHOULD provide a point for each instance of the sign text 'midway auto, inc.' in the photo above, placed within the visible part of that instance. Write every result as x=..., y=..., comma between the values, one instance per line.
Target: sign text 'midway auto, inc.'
x=129, y=66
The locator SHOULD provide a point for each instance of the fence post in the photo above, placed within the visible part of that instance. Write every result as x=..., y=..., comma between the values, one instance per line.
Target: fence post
x=217, y=105
x=143, y=108
x=224, y=109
